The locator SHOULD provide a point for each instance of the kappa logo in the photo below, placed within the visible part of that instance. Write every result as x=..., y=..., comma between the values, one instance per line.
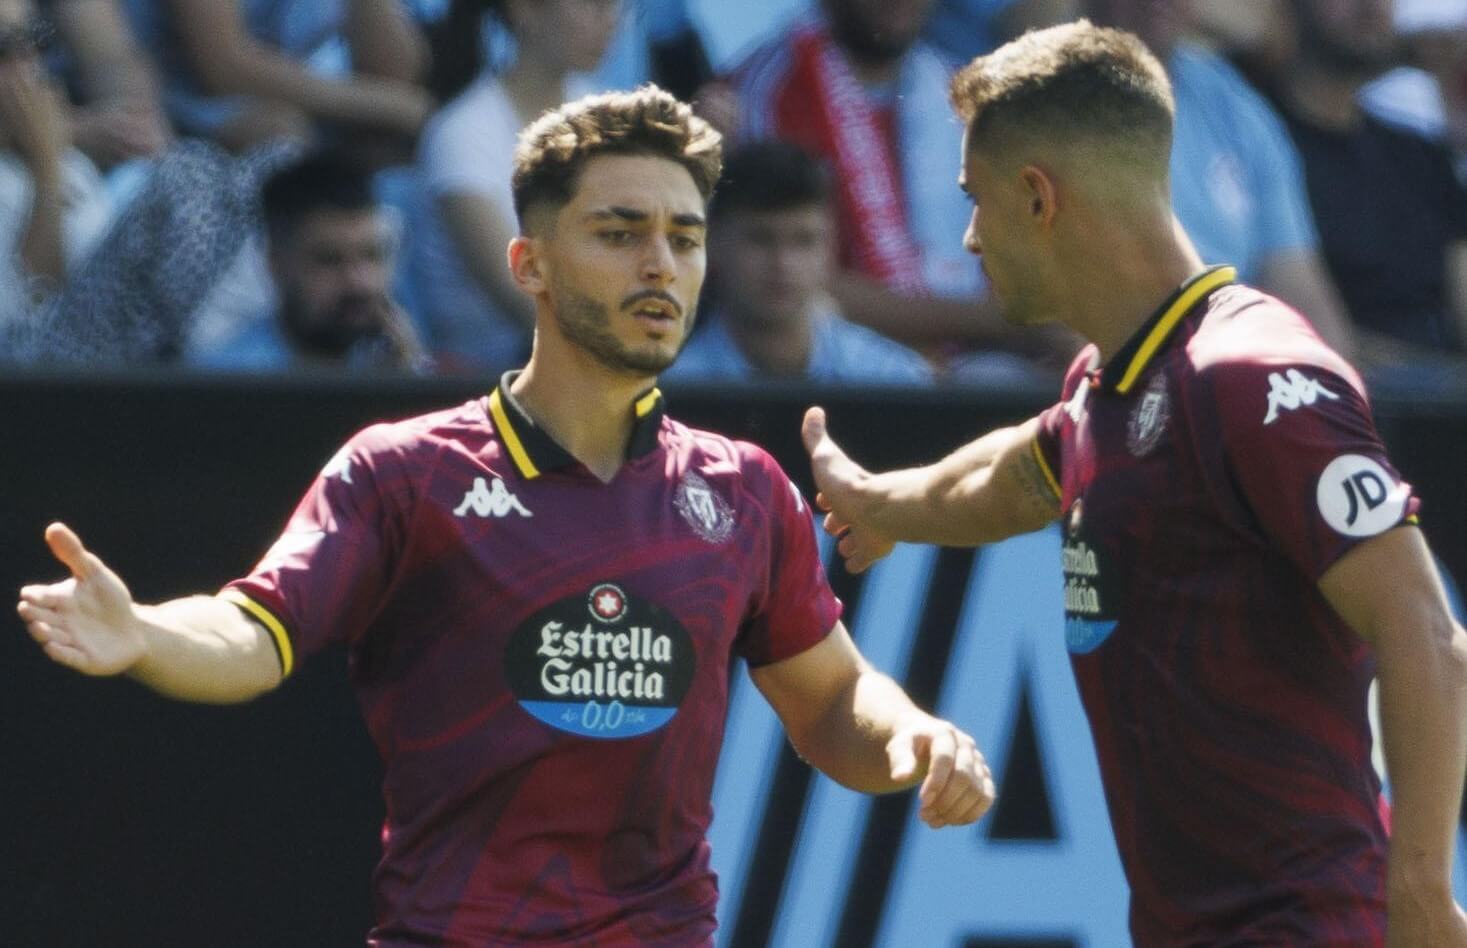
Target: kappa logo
x=1291, y=389
x=339, y=466
x=486, y=501
x=705, y=511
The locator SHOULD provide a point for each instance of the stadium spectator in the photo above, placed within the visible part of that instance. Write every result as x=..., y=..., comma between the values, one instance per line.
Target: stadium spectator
x=473, y=315
x=772, y=249
x=963, y=29
x=544, y=591
x=330, y=249
x=854, y=85
x=246, y=73
x=1236, y=182
x=1240, y=558
x=116, y=115
x=53, y=205
x=1428, y=93
x=1392, y=215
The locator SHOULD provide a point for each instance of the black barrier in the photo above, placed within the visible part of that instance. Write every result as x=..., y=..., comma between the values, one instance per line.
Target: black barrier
x=131, y=820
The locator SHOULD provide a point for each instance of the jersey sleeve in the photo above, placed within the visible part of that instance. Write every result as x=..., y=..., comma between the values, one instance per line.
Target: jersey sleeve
x=1301, y=452
x=794, y=607
x=326, y=577
x=1047, y=440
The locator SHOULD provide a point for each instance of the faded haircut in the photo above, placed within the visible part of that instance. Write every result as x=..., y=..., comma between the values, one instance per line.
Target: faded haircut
x=1070, y=84
x=554, y=149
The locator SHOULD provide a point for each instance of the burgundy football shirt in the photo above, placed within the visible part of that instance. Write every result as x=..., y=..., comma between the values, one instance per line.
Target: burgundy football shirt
x=1220, y=463
x=543, y=660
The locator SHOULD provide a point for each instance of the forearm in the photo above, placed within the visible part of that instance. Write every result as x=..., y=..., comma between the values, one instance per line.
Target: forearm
x=969, y=498
x=254, y=70
x=41, y=249
x=1423, y=701
x=204, y=649
x=848, y=743
x=384, y=42
x=920, y=319
x=480, y=237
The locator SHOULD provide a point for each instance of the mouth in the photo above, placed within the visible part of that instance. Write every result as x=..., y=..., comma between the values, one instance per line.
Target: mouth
x=658, y=315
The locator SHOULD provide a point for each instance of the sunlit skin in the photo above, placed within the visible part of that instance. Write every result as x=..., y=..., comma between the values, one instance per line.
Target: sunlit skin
x=617, y=271
x=1009, y=233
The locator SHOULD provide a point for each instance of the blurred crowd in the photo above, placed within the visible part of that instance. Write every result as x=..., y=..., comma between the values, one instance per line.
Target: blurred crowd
x=324, y=185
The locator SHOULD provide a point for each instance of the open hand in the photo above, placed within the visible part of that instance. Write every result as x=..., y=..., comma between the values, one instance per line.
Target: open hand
x=841, y=483
x=87, y=622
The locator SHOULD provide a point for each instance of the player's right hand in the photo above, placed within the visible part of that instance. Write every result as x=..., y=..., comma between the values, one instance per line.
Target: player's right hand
x=842, y=495
x=87, y=622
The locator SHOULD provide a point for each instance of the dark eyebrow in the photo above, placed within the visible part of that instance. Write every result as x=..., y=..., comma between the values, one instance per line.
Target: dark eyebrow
x=633, y=216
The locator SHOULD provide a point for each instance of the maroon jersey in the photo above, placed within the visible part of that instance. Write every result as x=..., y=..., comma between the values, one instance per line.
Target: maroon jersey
x=543, y=660
x=1209, y=475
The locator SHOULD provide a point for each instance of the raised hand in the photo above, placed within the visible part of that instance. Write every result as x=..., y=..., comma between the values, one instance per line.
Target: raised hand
x=958, y=787
x=843, y=495
x=87, y=622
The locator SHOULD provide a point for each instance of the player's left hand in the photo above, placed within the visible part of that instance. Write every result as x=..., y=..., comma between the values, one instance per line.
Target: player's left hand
x=957, y=787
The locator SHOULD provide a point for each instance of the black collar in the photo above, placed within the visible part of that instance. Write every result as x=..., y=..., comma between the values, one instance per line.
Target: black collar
x=1121, y=372
x=533, y=450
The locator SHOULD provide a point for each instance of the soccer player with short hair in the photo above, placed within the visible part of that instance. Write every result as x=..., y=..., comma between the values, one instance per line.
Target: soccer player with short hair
x=1239, y=554
x=543, y=590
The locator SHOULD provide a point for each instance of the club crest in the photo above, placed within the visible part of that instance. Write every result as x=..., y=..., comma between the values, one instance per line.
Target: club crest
x=705, y=511
x=1148, y=419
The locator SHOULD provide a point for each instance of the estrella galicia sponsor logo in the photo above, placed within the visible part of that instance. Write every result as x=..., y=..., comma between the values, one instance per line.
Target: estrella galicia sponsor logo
x=1088, y=623
x=1358, y=497
x=1293, y=389
x=602, y=664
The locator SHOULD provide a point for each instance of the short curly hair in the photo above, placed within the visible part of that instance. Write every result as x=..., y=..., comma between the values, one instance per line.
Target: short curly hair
x=1070, y=82
x=554, y=148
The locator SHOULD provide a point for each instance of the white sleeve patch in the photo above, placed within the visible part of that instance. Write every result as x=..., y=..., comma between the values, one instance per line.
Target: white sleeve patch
x=1359, y=498
x=339, y=465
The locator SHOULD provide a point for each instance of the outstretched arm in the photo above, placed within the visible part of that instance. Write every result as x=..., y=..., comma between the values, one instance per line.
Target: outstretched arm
x=858, y=727
x=987, y=490
x=1388, y=590
x=194, y=649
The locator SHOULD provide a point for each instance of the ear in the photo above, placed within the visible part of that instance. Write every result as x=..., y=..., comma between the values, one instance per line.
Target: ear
x=526, y=267
x=1042, y=194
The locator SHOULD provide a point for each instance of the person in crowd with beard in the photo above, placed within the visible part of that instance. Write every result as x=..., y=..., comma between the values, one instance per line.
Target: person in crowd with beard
x=1392, y=214
x=853, y=84
x=330, y=253
x=544, y=591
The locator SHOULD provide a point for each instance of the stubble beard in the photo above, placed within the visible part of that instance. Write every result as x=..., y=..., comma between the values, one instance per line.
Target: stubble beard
x=586, y=324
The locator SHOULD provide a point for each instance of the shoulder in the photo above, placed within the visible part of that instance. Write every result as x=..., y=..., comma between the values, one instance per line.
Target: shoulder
x=480, y=118
x=749, y=471
x=414, y=442
x=1201, y=74
x=1252, y=351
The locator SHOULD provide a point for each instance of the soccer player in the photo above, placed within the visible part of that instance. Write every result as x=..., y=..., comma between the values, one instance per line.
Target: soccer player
x=543, y=591
x=1239, y=554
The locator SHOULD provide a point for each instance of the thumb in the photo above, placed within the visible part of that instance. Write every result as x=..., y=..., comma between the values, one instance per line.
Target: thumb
x=812, y=431
x=901, y=753
x=67, y=547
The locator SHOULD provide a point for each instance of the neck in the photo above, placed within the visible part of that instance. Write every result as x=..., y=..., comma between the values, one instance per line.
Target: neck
x=872, y=73
x=584, y=406
x=534, y=84
x=1323, y=98
x=1115, y=292
x=775, y=347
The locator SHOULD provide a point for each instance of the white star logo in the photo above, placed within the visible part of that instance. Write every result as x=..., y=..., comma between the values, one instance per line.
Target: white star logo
x=607, y=604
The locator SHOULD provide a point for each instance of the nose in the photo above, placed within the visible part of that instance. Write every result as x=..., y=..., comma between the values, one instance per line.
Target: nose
x=658, y=266
x=970, y=237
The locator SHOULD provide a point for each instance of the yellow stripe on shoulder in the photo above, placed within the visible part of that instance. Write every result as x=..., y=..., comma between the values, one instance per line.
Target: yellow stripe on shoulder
x=272, y=625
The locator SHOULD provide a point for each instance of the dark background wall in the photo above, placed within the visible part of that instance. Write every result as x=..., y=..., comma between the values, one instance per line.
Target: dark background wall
x=131, y=820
